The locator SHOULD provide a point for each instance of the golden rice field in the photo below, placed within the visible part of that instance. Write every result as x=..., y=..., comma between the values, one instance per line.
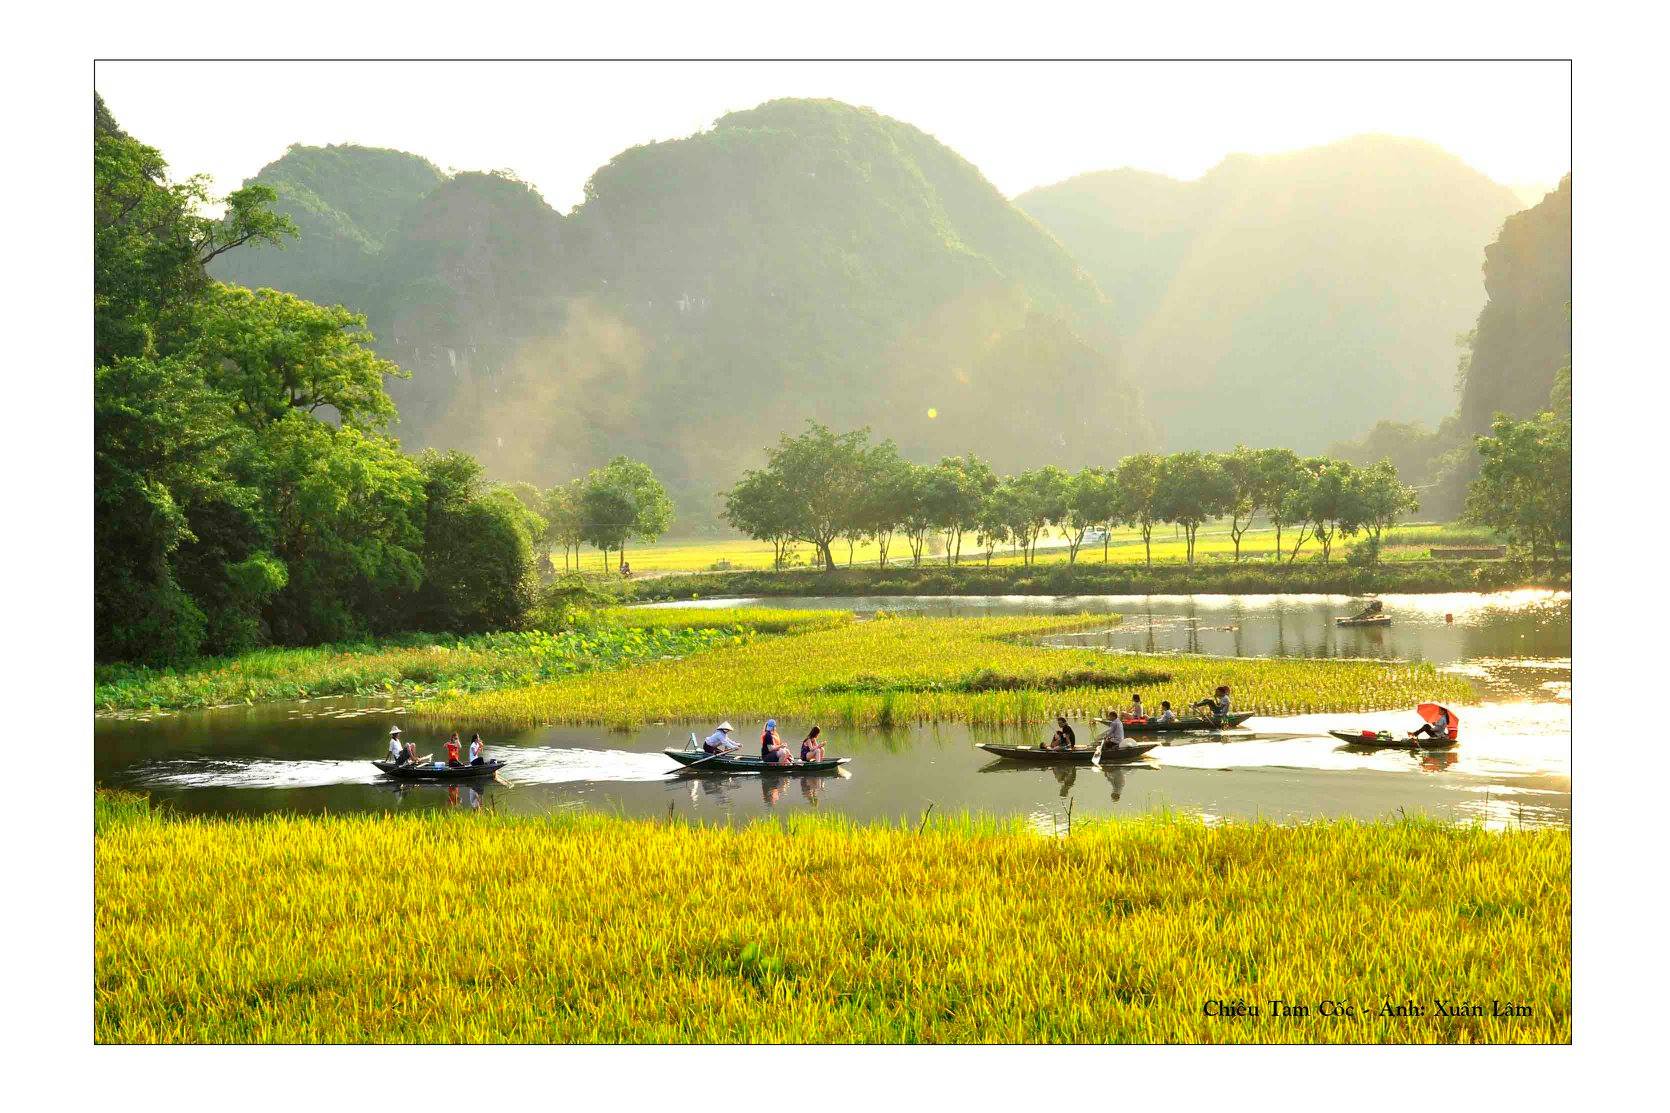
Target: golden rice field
x=918, y=669
x=598, y=929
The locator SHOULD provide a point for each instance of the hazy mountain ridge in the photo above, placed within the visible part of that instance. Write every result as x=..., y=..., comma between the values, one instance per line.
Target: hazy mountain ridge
x=1284, y=299
x=799, y=259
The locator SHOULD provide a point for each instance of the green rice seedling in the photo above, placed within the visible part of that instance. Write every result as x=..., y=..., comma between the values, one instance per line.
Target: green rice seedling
x=587, y=928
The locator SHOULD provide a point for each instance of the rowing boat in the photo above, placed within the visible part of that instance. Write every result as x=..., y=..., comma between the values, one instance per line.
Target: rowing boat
x=1386, y=740
x=1372, y=620
x=1069, y=757
x=438, y=771
x=728, y=764
x=1154, y=726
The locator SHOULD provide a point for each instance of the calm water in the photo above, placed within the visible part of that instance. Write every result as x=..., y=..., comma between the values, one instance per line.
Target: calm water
x=1513, y=767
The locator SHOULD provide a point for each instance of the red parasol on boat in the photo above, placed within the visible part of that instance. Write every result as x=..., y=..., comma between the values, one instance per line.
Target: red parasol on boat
x=1431, y=712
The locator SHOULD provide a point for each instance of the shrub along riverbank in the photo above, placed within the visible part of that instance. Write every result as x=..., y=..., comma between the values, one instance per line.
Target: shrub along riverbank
x=1090, y=578
x=599, y=929
x=907, y=669
x=418, y=666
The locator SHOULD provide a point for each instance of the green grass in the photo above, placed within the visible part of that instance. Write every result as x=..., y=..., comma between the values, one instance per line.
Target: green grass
x=895, y=670
x=419, y=666
x=598, y=929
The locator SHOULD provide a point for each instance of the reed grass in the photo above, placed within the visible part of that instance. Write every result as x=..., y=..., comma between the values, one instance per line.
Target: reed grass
x=918, y=669
x=583, y=928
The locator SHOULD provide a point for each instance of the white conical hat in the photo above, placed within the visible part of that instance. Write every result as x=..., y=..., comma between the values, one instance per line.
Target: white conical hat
x=726, y=725
x=393, y=731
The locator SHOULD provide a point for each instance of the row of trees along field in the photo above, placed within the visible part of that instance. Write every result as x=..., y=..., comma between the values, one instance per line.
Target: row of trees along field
x=822, y=488
x=247, y=490
x=619, y=502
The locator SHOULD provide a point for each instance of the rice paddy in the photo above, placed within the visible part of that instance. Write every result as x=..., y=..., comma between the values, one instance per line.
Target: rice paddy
x=485, y=928
x=917, y=669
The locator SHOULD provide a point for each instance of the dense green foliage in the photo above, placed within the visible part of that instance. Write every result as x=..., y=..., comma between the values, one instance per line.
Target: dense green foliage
x=246, y=490
x=802, y=257
x=1276, y=296
x=416, y=666
x=820, y=486
x=1524, y=486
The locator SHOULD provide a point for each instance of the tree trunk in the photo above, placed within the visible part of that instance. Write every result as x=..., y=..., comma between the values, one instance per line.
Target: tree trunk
x=827, y=557
x=1148, y=545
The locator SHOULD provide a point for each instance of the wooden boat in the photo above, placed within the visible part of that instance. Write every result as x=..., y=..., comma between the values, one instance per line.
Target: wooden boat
x=1371, y=620
x=1078, y=756
x=731, y=764
x=1386, y=740
x=1154, y=726
x=438, y=771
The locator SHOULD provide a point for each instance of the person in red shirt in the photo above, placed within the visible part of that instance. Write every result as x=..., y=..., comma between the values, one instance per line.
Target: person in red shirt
x=453, y=754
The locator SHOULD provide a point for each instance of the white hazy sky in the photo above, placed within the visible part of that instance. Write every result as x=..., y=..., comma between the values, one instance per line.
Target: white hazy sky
x=1022, y=124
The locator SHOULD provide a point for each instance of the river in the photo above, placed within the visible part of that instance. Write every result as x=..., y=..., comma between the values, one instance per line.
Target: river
x=1513, y=767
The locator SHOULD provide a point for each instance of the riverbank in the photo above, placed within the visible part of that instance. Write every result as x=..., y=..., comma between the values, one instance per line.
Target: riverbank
x=919, y=669
x=417, y=666
x=598, y=929
x=1091, y=578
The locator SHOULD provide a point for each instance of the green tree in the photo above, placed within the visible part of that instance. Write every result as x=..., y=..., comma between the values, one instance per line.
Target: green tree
x=1138, y=481
x=1524, y=486
x=1246, y=489
x=654, y=511
x=1041, y=498
x=958, y=487
x=1193, y=489
x=1381, y=500
x=561, y=510
x=478, y=552
x=820, y=476
x=1281, y=478
x=758, y=505
x=1094, y=502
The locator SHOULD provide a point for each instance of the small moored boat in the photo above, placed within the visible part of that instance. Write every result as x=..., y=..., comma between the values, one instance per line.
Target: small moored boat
x=727, y=763
x=438, y=770
x=1078, y=756
x=1386, y=740
x=1371, y=620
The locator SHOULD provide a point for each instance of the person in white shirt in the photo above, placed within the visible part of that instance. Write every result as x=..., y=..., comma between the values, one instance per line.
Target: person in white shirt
x=1114, y=736
x=475, y=750
x=1166, y=715
x=720, y=741
x=396, y=753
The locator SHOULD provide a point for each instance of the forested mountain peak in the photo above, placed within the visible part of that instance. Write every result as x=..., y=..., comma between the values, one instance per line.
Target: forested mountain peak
x=804, y=258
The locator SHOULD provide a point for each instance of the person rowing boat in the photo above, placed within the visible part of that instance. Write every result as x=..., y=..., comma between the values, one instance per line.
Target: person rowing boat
x=720, y=741
x=1113, y=737
x=1373, y=610
x=1217, y=706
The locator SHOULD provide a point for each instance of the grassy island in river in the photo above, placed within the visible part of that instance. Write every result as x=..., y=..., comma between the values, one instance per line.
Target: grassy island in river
x=902, y=669
x=598, y=929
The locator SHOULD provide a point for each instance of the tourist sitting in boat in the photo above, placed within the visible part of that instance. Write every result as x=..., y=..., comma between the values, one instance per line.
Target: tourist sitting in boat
x=720, y=741
x=769, y=740
x=1435, y=728
x=476, y=746
x=397, y=753
x=1374, y=608
x=1166, y=715
x=1136, y=711
x=1063, y=738
x=779, y=754
x=1217, y=707
x=811, y=747
x=454, y=754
